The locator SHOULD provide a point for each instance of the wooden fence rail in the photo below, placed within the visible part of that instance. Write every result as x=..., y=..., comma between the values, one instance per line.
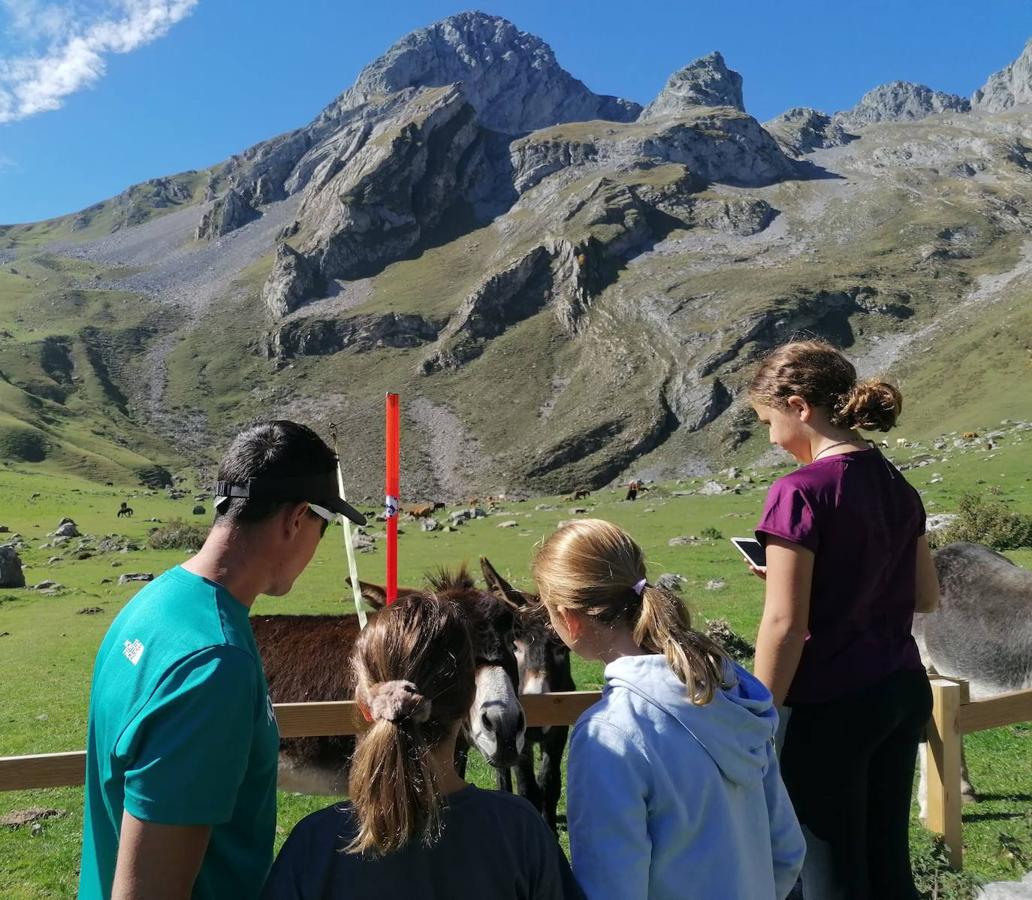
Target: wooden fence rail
x=953, y=716
x=295, y=720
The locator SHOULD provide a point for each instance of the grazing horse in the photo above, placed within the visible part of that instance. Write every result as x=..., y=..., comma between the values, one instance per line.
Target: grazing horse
x=544, y=667
x=308, y=658
x=982, y=630
x=125, y=510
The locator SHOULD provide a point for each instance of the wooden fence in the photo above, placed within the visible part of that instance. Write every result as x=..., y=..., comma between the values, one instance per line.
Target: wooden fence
x=953, y=715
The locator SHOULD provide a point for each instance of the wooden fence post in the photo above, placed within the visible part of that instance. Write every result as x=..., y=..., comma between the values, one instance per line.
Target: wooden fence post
x=944, y=743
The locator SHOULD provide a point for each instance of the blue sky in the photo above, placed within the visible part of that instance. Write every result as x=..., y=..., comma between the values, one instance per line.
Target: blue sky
x=98, y=94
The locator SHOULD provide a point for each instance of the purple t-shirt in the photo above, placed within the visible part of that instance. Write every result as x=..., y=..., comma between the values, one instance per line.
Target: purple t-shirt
x=861, y=519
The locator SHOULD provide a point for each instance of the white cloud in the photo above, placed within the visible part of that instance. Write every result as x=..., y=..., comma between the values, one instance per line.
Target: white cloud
x=66, y=45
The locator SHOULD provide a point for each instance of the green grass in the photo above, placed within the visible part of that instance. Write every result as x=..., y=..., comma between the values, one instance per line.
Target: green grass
x=47, y=655
x=135, y=205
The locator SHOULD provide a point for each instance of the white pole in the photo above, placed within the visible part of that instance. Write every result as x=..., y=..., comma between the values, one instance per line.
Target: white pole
x=348, y=545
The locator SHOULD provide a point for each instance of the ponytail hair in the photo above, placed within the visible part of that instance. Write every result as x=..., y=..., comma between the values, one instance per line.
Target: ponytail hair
x=415, y=680
x=823, y=377
x=595, y=567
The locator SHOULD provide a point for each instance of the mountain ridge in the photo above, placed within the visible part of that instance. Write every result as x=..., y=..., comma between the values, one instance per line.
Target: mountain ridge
x=405, y=239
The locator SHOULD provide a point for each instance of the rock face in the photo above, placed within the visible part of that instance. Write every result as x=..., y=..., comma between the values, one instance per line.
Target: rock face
x=1009, y=87
x=11, y=575
x=321, y=337
x=715, y=145
x=226, y=214
x=900, y=101
x=402, y=183
x=510, y=78
x=706, y=82
x=293, y=280
x=802, y=130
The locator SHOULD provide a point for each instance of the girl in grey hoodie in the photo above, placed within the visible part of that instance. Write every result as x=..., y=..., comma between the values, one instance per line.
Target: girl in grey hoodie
x=673, y=785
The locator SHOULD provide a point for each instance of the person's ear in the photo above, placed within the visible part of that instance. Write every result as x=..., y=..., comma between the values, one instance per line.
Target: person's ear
x=800, y=408
x=294, y=515
x=573, y=621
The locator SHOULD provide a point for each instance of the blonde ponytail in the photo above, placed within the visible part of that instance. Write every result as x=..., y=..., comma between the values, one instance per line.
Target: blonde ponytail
x=665, y=626
x=596, y=567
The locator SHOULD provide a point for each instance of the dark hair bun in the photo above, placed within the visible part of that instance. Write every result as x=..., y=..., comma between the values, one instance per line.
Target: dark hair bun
x=870, y=406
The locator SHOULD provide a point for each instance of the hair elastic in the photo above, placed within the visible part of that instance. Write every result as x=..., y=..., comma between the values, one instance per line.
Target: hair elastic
x=639, y=586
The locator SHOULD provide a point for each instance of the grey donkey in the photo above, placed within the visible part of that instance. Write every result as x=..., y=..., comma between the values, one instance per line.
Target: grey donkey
x=982, y=630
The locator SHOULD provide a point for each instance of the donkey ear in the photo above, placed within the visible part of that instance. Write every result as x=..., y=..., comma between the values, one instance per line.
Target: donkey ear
x=373, y=594
x=500, y=586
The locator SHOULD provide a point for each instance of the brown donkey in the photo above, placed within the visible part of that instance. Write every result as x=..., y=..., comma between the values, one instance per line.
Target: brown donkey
x=308, y=658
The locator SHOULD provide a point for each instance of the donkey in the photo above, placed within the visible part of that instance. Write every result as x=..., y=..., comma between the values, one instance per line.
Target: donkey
x=982, y=630
x=125, y=510
x=308, y=658
x=544, y=667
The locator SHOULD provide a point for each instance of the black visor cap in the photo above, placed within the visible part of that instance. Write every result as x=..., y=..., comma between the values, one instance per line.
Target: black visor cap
x=319, y=489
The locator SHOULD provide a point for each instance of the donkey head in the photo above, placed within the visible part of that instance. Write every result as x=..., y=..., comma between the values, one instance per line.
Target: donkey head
x=496, y=722
x=543, y=659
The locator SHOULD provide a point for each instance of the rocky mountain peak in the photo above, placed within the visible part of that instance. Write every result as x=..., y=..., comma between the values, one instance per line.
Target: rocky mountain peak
x=1011, y=86
x=705, y=82
x=802, y=129
x=900, y=101
x=511, y=78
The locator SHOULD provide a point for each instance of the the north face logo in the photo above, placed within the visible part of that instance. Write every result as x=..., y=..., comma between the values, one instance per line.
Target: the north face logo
x=133, y=650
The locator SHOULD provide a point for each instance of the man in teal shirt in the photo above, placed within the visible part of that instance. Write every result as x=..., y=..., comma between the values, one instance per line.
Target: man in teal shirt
x=182, y=744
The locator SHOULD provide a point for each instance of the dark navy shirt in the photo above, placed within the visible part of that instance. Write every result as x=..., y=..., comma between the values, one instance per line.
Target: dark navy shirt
x=861, y=519
x=494, y=846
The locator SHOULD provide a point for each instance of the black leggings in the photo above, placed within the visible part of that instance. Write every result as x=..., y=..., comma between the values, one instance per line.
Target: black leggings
x=849, y=769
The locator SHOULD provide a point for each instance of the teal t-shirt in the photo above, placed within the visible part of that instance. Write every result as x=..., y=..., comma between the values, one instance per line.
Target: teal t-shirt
x=182, y=732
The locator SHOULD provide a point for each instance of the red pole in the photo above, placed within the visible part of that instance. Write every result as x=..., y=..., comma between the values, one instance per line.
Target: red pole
x=392, y=491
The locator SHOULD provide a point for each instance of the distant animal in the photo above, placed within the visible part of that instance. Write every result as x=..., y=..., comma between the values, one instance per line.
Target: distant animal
x=125, y=510
x=982, y=630
x=308, y=658
x=544, y=668
x=969, y=435
x=581, y=494
x=902, y=442
x=420, y=510
x=632, y=490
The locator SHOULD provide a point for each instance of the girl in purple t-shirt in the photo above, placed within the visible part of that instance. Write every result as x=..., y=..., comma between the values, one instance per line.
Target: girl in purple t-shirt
x=847, y=566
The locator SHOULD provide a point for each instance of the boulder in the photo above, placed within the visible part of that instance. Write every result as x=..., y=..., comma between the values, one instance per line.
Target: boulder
x=509, y=523
x=429, y=525
x=670, y=582
x=129, y=577
x=198, y=510
x=67, y=529
x=11, y=575
x=711, y=488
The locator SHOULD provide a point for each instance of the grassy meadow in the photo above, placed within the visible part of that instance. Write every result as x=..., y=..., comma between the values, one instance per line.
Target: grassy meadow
x=47, y=643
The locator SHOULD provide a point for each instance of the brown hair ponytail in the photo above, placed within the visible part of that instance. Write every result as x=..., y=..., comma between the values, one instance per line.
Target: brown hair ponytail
x=596, y=567
x=415, y=676
x=823, y=377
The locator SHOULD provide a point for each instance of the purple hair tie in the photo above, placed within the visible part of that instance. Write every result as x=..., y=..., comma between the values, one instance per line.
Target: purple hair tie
x=639, y=586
